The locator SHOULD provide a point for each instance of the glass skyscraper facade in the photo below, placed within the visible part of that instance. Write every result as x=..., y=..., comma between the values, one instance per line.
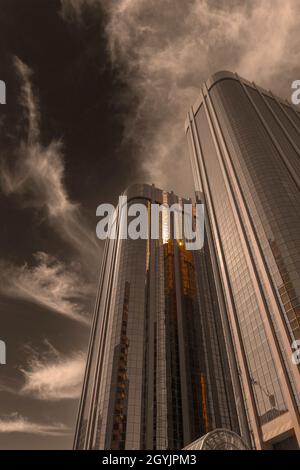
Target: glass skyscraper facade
x=157, y=374
x=244, y=145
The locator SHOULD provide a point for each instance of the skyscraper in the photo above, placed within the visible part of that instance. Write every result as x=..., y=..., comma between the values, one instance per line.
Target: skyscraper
x=157, y=374
x=244, y=145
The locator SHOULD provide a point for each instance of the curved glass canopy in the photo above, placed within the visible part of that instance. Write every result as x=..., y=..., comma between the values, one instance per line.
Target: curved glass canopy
x=219, y=439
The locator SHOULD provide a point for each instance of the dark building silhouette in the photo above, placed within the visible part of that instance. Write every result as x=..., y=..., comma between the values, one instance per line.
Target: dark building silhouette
x=244, y=145
x=157, y=373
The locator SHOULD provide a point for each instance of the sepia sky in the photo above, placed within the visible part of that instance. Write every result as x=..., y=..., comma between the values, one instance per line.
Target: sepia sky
x=97, y=94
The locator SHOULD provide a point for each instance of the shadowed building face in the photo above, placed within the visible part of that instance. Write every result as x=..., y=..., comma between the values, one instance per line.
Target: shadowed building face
x=245, y=151
x=157, y=375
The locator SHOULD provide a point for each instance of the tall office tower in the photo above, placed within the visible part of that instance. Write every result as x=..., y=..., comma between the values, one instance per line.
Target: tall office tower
x=157, y=374
x=244, y=145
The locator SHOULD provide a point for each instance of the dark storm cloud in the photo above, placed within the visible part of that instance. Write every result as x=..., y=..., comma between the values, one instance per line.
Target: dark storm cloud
x=164, y=50
x=168, y=48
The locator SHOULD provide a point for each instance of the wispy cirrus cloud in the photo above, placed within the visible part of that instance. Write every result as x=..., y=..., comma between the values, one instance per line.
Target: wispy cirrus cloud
x=52, y=376
x=15, y=423
x=50, y=283
x=165, y=50
x=35, y=173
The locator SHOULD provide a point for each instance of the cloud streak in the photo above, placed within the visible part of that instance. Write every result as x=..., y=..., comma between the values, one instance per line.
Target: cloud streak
x=52, y=376
x=36, y=174
x=16, y=423
x=50, y=283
